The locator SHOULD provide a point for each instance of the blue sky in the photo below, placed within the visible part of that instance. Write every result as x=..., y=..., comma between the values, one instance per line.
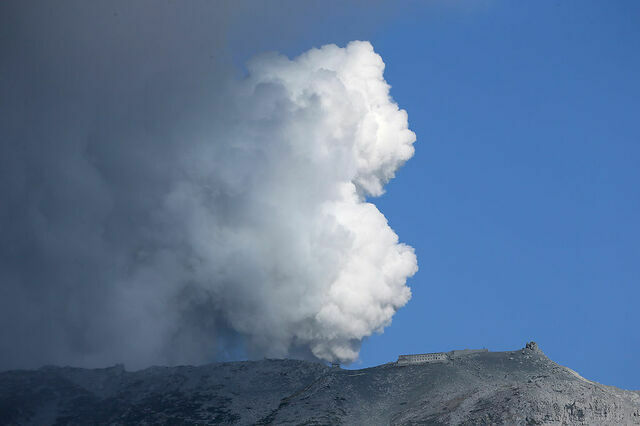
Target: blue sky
x=523, y=198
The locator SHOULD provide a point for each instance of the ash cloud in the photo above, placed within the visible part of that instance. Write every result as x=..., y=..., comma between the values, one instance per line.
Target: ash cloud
x=158, y=210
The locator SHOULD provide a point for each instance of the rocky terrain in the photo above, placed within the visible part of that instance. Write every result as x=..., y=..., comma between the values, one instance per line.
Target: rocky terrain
x=518, y=387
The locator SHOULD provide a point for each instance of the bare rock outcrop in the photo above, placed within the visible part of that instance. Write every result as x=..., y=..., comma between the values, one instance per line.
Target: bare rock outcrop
x=521, y=387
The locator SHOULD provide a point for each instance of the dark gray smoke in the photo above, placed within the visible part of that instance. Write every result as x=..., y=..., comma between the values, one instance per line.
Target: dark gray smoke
x=156, y=208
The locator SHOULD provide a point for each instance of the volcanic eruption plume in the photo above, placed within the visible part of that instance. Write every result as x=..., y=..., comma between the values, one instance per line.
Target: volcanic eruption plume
x=272, y=209
x=153, y=233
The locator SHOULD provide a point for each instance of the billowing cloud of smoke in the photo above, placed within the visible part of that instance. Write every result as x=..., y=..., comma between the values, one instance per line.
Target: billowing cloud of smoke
x=274, y=221
x=184, y=232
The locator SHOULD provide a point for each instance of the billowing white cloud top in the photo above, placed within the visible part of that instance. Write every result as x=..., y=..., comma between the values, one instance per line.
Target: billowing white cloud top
x=269, y=226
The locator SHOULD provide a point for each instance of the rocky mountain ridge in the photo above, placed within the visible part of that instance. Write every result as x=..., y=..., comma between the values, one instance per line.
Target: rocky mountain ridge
x=514, y=387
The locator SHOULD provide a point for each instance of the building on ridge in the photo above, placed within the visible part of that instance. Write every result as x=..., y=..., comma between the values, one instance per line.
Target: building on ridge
x=436, y=356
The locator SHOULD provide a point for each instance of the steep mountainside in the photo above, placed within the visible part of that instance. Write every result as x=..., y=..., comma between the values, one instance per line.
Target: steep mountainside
x=519, y=387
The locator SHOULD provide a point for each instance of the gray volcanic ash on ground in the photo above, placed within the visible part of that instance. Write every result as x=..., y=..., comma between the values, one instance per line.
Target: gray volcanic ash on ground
x=520, y=387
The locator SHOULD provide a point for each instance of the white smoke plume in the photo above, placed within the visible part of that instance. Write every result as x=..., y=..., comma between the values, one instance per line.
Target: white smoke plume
x=270, y=220
x=155, y=209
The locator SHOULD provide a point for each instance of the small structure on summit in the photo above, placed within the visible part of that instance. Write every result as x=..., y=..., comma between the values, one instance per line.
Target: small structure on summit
x=420, y=358
x=436, y=356
x=532, y=346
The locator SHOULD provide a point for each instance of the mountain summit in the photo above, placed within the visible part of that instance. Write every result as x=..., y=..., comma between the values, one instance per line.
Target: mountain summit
x=464, y=387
